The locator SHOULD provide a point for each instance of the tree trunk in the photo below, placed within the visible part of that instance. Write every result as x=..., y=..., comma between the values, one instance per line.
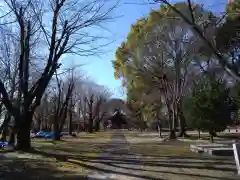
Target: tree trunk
x=159, y=131
x=90, y=125
x=85, y=127
x=90, y=117
x=4, y=127
x=78, y=128
x=97, y=125
x=214, y=134
x=211, y=138
x=23, y=138
x=70, y=123
x=23, y=126
x=211, y=134
x=4, y=134
x=182, y=126
x=62, y=120
x=172, y=130
x=41, y=126
x=56, y=136
x=38, y=125
x=172, y=134
x=181, y=119
x=56, y=131
x=11, y=140
x=1, y=105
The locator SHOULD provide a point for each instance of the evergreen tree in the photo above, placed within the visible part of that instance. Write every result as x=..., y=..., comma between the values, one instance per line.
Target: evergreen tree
x=208, y=108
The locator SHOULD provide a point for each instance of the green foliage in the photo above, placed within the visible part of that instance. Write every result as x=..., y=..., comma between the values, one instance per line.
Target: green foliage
x=227, y=36
x=138, y=106
x=148, y=54
x=208, y=108
x=235, y=97
x=233, y=9
x=228, y=33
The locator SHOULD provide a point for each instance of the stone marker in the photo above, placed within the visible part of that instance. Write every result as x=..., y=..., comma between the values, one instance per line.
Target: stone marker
x=220, y=151
x=236, y=150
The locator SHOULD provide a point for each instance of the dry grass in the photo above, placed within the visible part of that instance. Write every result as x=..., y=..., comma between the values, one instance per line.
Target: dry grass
x=171, y=148
x=74, y=158
x=65, y=159
x=174, y=160
x=154, y=146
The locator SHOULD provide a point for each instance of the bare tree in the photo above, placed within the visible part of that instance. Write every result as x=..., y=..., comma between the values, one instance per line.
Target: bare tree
x=9, y=70
x=94, y=98
x=43, y=114
x=68, y=33
x=89, y=102
x=201, y=28
x=61, y=102
x=80, y=103
x=99, y=110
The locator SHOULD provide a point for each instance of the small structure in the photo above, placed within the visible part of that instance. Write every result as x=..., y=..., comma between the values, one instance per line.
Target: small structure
x=117, y=120
x=215, y=149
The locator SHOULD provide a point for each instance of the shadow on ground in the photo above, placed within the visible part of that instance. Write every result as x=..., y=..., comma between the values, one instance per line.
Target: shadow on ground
x=123, y=163
x=15, y=169
x=118, y=160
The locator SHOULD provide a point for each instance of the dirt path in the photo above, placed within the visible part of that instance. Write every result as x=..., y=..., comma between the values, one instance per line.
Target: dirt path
x=117, y=152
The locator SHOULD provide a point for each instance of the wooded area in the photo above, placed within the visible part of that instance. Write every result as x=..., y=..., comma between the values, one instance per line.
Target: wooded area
x=181, y=64
x=179, y=68
x=35, y=35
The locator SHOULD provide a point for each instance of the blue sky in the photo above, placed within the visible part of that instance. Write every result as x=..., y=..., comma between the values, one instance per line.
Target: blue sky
x=100, y=69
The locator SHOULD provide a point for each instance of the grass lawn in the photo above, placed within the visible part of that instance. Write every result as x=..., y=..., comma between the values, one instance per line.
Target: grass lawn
x=174, y=160
x=153, y=146
x=172, y=148
x=65, y=159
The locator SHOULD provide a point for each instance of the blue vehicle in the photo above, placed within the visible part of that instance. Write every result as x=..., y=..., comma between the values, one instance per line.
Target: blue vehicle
x=46, y=135
x=40, y=134
x=3, y=144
